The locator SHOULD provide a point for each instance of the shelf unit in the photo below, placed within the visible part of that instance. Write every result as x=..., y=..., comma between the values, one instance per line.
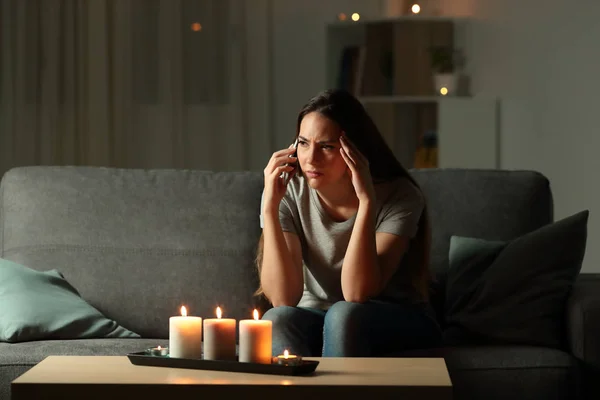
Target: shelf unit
x=390, y=73
x=398, y=99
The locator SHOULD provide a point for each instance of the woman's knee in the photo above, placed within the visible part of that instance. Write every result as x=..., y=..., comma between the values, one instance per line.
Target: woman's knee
x=296, y=329
x=345, y=333
x=344, y=314
x=282, y=315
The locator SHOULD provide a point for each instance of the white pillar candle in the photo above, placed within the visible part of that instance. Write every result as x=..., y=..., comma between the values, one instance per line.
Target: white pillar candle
x=185, y=336
x=219, y=338
x=256, y=339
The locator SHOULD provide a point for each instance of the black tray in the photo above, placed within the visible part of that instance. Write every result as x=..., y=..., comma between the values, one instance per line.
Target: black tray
x=304, y=368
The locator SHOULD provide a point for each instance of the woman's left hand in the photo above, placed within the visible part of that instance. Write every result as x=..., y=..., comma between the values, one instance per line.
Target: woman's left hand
x=359, y=170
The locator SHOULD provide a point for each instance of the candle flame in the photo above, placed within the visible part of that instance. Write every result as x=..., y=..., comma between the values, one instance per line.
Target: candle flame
x=286, y=354
x=219, y=313
x=158, y=347
x=183, y=311
x=256, y=314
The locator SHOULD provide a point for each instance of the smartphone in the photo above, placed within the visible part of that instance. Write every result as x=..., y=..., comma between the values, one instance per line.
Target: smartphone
x=286, y=176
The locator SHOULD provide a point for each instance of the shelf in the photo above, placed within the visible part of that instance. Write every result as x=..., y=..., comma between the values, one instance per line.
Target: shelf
x=406, y=99
x=386, y=64
x=399, y=99
x=402, y=18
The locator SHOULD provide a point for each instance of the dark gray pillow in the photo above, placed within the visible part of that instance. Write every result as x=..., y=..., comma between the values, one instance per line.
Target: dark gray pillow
x=513, y=292
x=37, y=305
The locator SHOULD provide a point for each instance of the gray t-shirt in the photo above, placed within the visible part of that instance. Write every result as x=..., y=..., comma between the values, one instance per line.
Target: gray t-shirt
x=324, y=241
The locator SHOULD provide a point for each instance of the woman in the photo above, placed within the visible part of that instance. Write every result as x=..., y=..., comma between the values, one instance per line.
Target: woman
x=344, y=252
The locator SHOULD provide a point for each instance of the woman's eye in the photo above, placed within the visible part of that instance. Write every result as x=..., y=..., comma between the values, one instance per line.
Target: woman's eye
x=301, y=143
x=328, y=147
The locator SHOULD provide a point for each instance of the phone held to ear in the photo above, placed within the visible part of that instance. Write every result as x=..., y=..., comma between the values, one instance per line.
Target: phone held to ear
x=286, y=176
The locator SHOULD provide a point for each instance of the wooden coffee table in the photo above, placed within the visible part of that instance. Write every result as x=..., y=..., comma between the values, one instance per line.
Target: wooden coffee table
x=99, y=377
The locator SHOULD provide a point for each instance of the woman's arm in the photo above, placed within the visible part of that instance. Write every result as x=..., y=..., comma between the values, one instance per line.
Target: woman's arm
x=281, y=274
x=371, y=258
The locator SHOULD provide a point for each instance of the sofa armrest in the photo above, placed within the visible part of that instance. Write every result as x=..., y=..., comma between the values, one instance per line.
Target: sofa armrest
x=583, y=320
x=583, y=328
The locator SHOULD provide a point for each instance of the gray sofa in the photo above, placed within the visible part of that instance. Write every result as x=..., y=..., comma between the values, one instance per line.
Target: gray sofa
x=139, y=243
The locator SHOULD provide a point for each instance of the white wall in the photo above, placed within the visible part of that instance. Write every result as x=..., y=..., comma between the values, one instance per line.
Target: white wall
x=542, y=59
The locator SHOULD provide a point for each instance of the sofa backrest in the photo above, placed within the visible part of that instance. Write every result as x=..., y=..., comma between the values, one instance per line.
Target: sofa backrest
x=138, y=244
x=488, y=204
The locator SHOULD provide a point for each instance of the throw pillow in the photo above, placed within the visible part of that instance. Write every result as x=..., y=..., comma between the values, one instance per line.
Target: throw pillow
x=37, y=305
x=514, y=292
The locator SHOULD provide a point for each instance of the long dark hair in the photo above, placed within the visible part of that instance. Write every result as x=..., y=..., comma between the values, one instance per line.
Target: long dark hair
x=350, y=115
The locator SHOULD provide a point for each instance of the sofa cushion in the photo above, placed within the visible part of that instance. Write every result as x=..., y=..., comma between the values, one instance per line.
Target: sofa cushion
x=491, y=204
x=514, y=292
x=37, y=305
x=520, y=372
x=17, y=358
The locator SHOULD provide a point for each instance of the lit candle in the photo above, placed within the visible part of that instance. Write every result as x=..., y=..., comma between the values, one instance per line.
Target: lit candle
x=256, y=339
x=288, y=359
x=185, y=336
x=158, y=351
x=219, y=338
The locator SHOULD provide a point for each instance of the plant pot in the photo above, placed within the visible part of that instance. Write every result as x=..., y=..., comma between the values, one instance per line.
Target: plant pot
x=445, y=84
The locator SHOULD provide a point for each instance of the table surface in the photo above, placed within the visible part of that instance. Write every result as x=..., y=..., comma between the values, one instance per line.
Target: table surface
x=77, y=372
x=331, y=371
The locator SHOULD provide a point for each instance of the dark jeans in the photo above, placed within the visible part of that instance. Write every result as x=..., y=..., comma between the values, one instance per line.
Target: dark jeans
x=371, y=329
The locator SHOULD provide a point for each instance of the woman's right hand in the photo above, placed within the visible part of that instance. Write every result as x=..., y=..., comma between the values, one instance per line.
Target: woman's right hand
x=275, y=186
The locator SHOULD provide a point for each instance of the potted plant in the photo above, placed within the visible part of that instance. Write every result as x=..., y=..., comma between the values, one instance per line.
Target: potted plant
x=444, y=60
